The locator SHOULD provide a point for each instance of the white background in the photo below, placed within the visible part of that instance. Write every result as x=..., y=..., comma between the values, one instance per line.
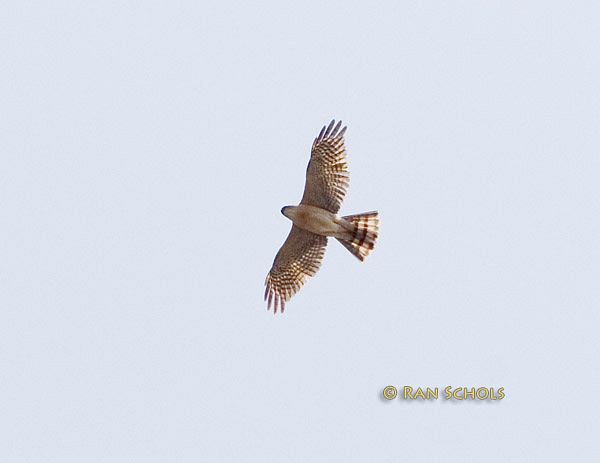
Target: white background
x=146, y=150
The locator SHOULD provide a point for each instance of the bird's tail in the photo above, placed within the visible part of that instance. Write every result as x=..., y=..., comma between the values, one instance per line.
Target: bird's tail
x=364, y=230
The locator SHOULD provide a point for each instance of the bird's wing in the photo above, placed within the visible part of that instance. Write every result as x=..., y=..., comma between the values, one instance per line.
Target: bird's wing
x=299, y=258
x=327, y=176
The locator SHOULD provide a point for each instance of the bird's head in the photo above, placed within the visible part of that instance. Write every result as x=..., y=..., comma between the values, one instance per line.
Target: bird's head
x=283, y=210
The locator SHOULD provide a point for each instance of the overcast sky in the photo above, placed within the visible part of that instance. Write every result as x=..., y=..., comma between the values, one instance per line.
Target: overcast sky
x=146, y=151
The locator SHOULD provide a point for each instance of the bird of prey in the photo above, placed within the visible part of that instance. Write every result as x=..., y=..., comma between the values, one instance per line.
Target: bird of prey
x=315, y=219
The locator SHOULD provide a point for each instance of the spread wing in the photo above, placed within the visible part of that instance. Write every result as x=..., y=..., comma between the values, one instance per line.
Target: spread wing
x=299, y=258
x=327, y=174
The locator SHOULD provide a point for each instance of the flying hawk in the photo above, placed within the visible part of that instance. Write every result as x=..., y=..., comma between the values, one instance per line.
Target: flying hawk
x=314, y=219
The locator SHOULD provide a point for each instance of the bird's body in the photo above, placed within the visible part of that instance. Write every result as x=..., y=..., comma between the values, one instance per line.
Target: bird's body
x=315, y=219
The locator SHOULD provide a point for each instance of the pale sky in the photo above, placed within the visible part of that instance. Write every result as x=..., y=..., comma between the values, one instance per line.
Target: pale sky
x=147, y=149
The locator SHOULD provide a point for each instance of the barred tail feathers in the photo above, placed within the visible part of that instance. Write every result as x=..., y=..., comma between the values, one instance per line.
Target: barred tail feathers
x=365, y=230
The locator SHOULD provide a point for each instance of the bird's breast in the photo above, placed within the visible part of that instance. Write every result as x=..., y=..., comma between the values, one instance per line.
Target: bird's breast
x=315, y=220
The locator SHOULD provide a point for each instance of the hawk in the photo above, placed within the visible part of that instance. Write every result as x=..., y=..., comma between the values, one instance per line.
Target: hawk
x=315, y=219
